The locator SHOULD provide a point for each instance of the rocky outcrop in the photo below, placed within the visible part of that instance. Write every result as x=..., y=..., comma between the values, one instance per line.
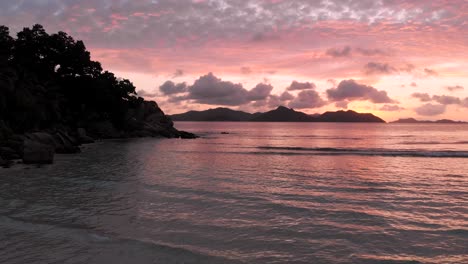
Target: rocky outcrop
x=37, y=153
x=82, y=136
x=38, y=145
x=53, y=100
x=59, y=141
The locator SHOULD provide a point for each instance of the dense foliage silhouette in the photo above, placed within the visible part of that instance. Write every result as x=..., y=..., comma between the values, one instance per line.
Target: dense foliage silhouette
x=51, y=79
x=49, y=84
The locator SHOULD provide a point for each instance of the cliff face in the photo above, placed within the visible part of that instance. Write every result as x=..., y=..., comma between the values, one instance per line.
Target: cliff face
x=53, y=98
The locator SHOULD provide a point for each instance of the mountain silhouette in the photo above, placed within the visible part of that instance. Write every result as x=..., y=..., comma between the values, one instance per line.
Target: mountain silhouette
x=349, y=116
x=280, y=114
x=413, y=120
x=217, y=114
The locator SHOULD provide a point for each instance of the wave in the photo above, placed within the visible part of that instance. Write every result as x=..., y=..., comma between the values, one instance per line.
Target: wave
x=132, y=250
x=145, y=251
x=366, y=152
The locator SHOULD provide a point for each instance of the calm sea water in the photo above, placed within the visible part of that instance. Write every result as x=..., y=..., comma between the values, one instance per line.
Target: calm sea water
x=264, y=193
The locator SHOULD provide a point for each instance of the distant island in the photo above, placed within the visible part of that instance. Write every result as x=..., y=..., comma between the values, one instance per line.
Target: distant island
x=280, y=114
x=53, y=98
x=441, y=121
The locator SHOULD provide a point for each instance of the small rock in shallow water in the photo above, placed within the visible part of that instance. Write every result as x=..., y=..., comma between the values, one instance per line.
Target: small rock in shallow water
x=187, y=135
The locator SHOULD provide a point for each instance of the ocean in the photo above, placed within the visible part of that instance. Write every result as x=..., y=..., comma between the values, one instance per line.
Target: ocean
x=247, y=193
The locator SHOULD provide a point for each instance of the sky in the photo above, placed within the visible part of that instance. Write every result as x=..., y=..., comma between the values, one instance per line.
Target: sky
x=393, y=58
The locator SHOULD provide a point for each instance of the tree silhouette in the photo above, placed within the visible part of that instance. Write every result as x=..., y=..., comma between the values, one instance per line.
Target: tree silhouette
x=6, y=45
x=51, y=80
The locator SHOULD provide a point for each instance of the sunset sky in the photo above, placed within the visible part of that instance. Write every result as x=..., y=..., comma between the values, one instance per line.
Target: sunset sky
x=394, y=58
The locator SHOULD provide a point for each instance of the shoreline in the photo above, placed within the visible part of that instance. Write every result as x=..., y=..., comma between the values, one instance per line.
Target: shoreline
x=39, y=148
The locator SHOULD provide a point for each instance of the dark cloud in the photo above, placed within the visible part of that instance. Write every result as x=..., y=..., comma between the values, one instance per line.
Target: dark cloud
x=273, y=101
x=300, y=86
x=307, y=99
x=344, y=52
x=260, y=92
x=256, y=104
x=285, y=96
x=391, y=108
x=430, y=109
x=454, y=88
x=446, y=99
x=148, y=23
x=370, y=52
x=347, y=51
x=350, y=90
x=209, y=89
x=178, y=73
x=170, y=87
x=146, y=94
x=441, y=99
x=423, y=97
x=378, y=68
x=177, y=99
x=413, y=84
x=430, y=72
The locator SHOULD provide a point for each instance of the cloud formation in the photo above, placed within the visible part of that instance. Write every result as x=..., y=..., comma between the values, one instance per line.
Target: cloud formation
x=336, y=53
x=347, y=51
x=300, y=86
x=430, y=109
x=295, y=39
x=455, y=88
x=169, y=87
x=285, y=96
x=446, y=99
x=211, y=90
x=378, y=68
x=391, y=108
x=146, y=94
x=307, y=99
x=371, y=52
x=350, y=90
x=260, y=92
x=178, y=73
x=441, y=99
x=423, y=97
